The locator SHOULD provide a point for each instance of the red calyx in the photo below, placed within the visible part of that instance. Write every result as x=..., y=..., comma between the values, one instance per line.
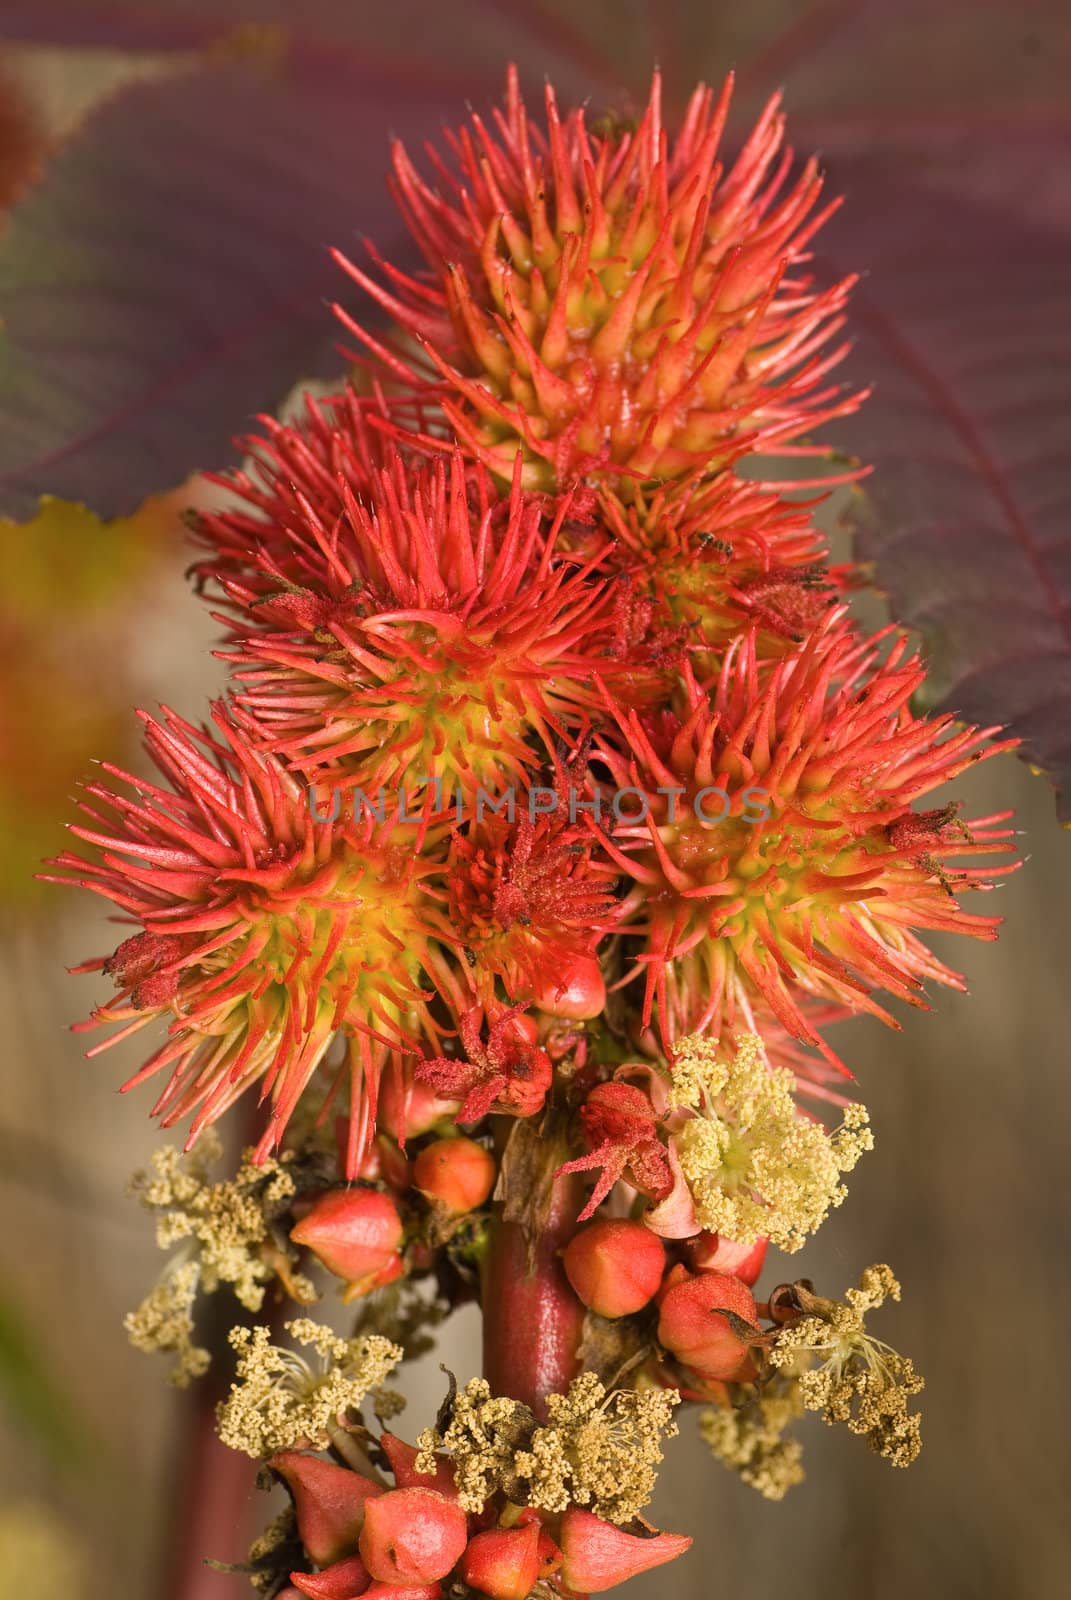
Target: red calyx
x=344, y=1580
x=709, y=1252
x=402, y=1458
x=503, y=1562
x=457, y=1173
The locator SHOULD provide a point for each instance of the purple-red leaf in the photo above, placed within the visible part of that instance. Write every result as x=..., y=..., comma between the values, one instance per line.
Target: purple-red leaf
x=962, y=323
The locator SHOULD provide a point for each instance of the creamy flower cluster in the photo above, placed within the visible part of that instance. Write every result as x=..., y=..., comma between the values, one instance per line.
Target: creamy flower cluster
x=755, y=1165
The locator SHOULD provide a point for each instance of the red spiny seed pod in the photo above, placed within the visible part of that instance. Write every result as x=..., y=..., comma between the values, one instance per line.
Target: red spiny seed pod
x=412, y=1536
x=708, y=1322
x=357, y=1234
x=615, y=1266
x=439, y=639
x=765, y=860
x=267, y=931
x=530, y=898
x=329, y=1503
x=503, y=1563
x=620, y=305
x=299, y=474
x=596, y=1555
x=457, y=1173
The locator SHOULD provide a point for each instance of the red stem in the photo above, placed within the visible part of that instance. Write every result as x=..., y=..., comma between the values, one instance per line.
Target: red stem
x=532, y=1320
x=213, y=1513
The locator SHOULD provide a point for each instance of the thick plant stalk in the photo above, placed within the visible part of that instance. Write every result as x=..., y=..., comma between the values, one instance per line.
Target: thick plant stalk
x=532, y=1320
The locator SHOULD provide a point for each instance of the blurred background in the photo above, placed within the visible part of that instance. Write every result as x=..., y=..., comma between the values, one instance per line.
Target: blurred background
x=967, y=1192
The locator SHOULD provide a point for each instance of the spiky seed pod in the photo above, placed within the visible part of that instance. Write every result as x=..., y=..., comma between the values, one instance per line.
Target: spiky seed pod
x=529, y=900
x=618, y=304
x=719, y=556
x=264, y=932
x=779, y=856
x=315, y=461
x=435, y=636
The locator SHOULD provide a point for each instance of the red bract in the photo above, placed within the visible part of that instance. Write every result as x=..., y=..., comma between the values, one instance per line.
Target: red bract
x=530, y=900
x=436, y=634
x=618, y=305
x=507, y=1072
x=620, y=1127
x=774, y=865
x=356, y=1233
x=266, y=933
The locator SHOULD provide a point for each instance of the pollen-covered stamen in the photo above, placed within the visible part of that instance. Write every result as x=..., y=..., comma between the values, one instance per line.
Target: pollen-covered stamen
x=527, y=898
x=266, y=932
x=622, y=303
x=441, y=637
x=766, y=867
x=843, y=1371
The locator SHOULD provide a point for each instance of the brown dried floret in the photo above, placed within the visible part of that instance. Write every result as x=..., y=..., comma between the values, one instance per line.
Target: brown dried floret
x=848, y=1375
x=597, y=1448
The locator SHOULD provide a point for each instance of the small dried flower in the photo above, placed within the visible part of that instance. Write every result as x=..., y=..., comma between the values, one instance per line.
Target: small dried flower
x=279, y=1402
x=597, y=1448
x=754, y=1164
x=224, y=1234
x=848, y=1375
x=749, y=1437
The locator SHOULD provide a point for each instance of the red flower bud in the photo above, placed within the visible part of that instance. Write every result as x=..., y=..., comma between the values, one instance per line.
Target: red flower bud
x=503, y=1562
x=550, y=1556
x=402, y=1459
x=407, y=1108
x=577, y=991
x=386, y=1163
x=412, y=1536
x=615, y=1266
x=329, y=1503
x=597, y=1555
x=458, y=1173
x=709, y=1252
x=356, y=1234
x=703, y=1322
x=345, y=1580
